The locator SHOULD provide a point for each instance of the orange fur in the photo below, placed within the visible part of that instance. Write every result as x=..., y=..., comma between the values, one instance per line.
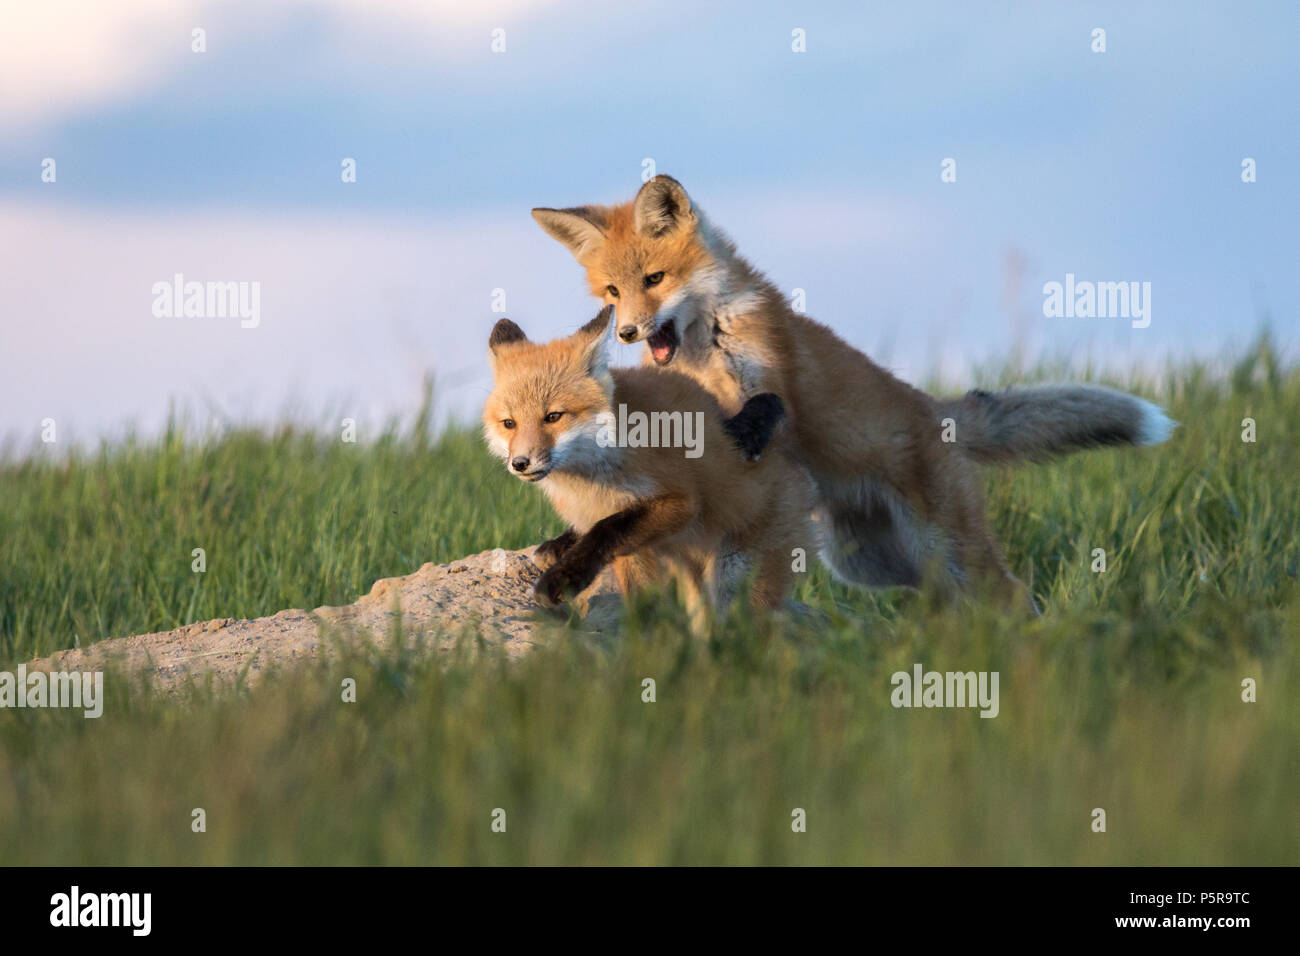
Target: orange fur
x=694, y=517
x=895, y=501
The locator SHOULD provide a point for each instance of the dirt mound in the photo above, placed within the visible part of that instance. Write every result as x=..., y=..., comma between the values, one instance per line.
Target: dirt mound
x=489, y=595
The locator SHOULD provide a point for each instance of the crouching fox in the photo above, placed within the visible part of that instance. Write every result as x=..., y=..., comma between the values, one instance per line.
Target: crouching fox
x=705, y=518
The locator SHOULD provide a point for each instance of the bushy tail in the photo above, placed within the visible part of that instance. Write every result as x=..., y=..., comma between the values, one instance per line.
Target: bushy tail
x=1038, y=422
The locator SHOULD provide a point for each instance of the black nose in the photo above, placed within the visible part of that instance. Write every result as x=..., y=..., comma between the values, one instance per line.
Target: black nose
x=627, y=333
x=519, y=464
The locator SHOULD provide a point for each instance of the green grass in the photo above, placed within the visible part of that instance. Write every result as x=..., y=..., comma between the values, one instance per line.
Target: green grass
x=1125, y=696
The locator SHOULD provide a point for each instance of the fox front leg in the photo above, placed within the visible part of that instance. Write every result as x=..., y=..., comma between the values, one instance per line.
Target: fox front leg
x=574, y=570
x=618, y=534
x=751, y=428
x=560, y=583
x=548, y=553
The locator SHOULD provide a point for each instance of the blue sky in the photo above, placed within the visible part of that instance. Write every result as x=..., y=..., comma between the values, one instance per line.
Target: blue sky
x=823, y=165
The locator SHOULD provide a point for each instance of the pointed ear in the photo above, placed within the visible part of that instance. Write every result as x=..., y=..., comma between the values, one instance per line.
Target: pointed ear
x=600, y=324
x=661, y=207
x=504, y=333
x=581, y=229
x=594, y=339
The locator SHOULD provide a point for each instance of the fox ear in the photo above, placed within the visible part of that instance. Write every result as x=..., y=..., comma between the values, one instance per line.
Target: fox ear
x=600, y=324
x=581, y=229
x=504, y=333
x=595, y=336
x=661, y=207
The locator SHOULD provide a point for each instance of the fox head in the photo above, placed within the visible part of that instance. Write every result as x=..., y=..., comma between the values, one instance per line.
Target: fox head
x=549, y=401
x=654, y=259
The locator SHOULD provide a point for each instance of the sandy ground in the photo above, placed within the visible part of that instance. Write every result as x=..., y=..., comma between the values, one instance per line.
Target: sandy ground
x=487, y=594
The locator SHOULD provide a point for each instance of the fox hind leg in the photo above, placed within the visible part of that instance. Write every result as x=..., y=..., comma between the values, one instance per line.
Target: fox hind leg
x=981, y=564
x=635, y=571
x=872, y=538
x=694, y=593
x=774, y=580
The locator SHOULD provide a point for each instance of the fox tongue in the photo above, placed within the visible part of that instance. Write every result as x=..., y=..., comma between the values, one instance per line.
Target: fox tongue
x=663, y=344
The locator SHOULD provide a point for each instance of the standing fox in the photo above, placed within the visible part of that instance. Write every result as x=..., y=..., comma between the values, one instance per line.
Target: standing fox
x=893, y=499
x=701, y=512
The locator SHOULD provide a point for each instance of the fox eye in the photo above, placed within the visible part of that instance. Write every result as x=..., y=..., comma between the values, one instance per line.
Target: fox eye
x=612, y=290
x=553, y=417
x=654, y=279
x=508, y=423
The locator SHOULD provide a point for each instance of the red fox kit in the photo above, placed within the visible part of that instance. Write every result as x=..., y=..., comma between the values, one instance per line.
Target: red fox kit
x=643, y=467
x=895, y=495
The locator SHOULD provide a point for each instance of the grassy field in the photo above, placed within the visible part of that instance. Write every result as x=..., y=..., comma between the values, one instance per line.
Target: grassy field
x=1126, y=695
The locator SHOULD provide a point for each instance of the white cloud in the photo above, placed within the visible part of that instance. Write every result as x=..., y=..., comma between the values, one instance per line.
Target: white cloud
x=58, y=53
x=62, y=55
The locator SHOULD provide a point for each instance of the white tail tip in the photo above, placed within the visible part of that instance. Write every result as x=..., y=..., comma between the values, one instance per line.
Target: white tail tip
x=1154, y=426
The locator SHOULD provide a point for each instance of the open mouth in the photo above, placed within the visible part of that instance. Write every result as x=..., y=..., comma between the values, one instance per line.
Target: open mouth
x=663, y=344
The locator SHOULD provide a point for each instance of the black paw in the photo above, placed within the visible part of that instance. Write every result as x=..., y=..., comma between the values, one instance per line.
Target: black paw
x=553, y=587
x=752, y=427
x=548, y=553
x=565, y=580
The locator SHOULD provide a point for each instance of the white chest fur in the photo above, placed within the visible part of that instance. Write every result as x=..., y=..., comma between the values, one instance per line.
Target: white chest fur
x=582, y=502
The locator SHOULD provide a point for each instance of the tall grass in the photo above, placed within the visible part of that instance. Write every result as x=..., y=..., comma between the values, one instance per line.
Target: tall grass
x=1126, y=696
